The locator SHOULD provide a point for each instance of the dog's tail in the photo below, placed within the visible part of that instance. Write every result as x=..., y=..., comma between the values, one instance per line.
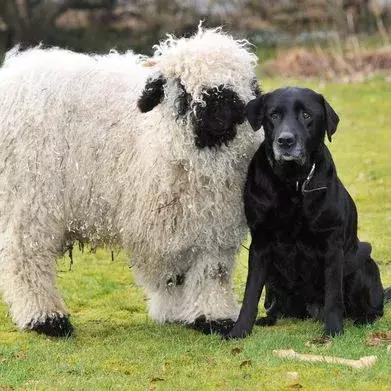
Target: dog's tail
x=387, y=295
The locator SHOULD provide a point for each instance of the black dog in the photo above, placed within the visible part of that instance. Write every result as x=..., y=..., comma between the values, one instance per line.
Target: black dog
x=303, y=222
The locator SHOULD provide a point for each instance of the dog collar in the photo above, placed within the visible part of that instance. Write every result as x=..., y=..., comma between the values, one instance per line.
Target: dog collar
x=307, y=181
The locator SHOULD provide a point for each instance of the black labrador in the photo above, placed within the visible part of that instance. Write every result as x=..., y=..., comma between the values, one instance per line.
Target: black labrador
x=303, y=222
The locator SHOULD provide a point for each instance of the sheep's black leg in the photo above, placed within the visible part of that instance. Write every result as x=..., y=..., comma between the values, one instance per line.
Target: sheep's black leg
x=219, y=326
x=56, y=325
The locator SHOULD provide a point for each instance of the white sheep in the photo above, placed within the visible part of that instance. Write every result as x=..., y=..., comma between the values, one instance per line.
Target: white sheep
x=119, y=150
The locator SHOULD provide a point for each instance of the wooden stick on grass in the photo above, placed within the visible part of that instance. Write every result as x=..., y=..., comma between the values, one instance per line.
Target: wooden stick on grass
x=363, y=362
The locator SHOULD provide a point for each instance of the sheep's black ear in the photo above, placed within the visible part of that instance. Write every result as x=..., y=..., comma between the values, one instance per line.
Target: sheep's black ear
x=152, y=94
x=332, y=119
x=255, y=112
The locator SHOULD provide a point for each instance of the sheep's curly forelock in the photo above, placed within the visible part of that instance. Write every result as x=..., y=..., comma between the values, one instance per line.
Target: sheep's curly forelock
x=210, y=58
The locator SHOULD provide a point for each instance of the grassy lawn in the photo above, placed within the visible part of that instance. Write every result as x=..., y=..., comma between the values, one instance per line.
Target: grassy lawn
x=116, y=346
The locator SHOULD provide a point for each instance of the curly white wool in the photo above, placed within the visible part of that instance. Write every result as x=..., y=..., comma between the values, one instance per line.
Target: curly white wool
x=212, y=59
x=79, y=161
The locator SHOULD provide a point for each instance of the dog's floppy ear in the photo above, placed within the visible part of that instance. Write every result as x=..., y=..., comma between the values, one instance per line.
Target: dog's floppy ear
x=152, y=94
x=332, y=119
x=255, y=111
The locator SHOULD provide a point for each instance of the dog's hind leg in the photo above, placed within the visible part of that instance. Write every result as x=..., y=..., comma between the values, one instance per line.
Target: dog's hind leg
x=387, y=295
x=272, y=307
x=281, y=304
x=364, y=294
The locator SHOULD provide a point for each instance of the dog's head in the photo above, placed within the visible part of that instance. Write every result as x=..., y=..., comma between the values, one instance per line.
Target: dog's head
x=295, y=121
x=205, y=80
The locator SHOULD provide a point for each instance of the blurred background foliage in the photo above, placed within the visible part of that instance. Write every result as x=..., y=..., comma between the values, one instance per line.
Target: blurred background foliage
x=345, y=26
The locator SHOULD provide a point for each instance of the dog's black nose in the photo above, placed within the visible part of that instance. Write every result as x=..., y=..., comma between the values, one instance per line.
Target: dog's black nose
x=286, y=140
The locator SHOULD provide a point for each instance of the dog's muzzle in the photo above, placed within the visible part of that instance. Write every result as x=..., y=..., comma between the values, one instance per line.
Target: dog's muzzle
x=295, y=155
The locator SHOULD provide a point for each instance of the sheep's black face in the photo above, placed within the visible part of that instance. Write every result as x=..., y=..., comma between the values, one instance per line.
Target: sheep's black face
x=215, y=121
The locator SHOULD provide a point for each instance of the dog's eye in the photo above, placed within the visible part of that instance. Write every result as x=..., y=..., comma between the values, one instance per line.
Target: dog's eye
x=306, y=115
x=274, y=116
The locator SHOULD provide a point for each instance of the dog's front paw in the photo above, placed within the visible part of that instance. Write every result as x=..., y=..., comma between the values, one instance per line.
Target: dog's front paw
x=266, y=321
x=333, y=330
x=237, y=332
x=333, y=325
x=56, y=325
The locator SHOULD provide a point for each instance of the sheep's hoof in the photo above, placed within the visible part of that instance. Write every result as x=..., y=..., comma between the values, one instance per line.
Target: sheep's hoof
x=219, y=326
x=57, y=325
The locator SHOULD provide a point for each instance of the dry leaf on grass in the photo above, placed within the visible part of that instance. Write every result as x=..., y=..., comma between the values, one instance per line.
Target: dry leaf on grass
x=236, y=351
x=156, y=379
x=153, y=381
x=323, y=340
x=296, y=386
x=20, y=355
x=245, y=363
x=166, y=366
x=379, y=338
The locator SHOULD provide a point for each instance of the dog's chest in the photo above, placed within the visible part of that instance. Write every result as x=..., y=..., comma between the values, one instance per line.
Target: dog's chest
x=297, y=253
x=297, y=265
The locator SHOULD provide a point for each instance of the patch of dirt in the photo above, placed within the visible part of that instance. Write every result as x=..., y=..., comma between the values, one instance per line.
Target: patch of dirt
x=379, y=338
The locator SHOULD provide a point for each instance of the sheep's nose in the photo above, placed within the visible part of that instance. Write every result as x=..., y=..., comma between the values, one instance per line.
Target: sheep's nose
x=286, y=140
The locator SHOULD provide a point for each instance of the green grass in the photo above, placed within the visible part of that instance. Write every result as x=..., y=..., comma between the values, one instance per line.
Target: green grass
x=116, y=346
